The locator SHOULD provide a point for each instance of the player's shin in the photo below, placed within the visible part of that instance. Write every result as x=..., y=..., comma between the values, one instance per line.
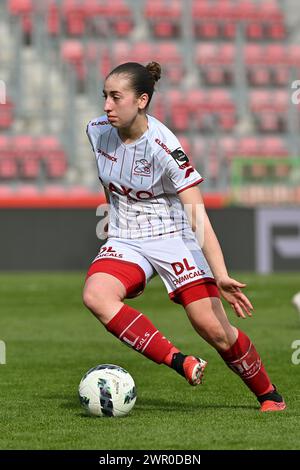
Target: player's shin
x=137, y=331
x=245, y=361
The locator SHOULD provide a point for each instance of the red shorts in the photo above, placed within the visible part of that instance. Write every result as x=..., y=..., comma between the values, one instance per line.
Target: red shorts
x=133, y=278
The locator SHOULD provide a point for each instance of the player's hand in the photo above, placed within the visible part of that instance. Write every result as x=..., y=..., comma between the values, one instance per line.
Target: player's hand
x=231, y=291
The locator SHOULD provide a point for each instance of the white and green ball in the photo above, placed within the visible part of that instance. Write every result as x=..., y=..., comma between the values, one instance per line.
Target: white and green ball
x=107, y=390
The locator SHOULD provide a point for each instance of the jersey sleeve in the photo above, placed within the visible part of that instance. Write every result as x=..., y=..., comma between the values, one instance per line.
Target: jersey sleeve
x=180, y=171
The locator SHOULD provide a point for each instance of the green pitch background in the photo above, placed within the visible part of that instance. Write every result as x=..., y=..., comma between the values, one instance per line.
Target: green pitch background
x=52, y=340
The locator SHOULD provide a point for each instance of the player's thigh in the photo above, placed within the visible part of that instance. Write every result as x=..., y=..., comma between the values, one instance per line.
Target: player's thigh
x=103, y=287
x=121, y=262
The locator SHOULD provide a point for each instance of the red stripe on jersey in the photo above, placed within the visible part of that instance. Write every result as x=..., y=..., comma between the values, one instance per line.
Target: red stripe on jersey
x=190, y=185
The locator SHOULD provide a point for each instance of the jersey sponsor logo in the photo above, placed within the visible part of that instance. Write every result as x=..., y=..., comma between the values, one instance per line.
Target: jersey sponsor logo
x=100, y=123
x=142, y=168
x=136, y=195
x=166, y=149
x=106, y=155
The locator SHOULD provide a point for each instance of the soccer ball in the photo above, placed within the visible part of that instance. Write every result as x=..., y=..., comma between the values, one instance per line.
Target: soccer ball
x=107, y=390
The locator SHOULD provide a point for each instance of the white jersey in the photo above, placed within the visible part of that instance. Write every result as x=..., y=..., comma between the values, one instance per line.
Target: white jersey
x=143, y=180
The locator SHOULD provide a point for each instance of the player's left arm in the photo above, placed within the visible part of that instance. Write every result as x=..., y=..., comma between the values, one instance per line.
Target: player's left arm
x=230, y=289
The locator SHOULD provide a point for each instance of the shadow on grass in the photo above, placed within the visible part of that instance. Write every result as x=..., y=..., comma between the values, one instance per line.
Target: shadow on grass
x=175, y=406
x=167, y=406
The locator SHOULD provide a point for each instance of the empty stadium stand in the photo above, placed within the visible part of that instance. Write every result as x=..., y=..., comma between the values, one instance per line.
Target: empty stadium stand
x=226, y=91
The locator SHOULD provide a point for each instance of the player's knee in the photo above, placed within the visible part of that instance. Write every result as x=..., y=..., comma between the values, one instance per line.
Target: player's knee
x=89, y=298
x=103, y=299
x=219, y=339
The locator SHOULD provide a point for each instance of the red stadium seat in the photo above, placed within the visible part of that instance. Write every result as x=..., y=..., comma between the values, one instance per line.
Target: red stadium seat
x=276, y=31
x=228, y=146
x=255, y=30
x=270, y=11
x=8, y=163
x=186, y=145
x=178, y=109
x=53, y=156
x=214, y=75
x=27, y=156
x=121, y=52
x=228, y=30
x=164, y=17
x=53, y=18
x=20, y=7
x=254, y=54
x=72, y=52
x=259, y=76
x=246, y=10
x=207, y=53
x=275, y=54
x=293, y=55
x=168, y=54
x=74, y=16
x=274, y=147
x=207, y=29
x=6, y=114
x=280, y=75
x=269, y=108
x=248, y=147
x=158, y=107
x=143, y=52
x=216, y=62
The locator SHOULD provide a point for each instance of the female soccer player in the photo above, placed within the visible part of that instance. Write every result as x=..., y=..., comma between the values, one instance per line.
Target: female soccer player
x=156, y=208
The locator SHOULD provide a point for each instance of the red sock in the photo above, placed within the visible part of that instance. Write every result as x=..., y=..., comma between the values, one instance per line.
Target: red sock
x=245, y=361
x=137, y=331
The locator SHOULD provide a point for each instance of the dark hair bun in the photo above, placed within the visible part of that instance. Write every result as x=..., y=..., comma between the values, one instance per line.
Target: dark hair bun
x=155, y=70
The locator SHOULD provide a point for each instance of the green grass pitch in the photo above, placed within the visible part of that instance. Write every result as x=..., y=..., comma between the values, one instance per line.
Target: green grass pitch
x=52, y=340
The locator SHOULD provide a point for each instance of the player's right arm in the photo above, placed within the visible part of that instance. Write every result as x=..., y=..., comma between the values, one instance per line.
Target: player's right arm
x=229, y=288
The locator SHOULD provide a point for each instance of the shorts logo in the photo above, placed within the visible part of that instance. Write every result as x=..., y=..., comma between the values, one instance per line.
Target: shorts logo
x=108, y=252
x=180, y=267
x=142, y=168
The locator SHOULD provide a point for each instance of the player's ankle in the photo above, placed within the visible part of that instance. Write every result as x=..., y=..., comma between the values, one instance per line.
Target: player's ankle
x=169, y=357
